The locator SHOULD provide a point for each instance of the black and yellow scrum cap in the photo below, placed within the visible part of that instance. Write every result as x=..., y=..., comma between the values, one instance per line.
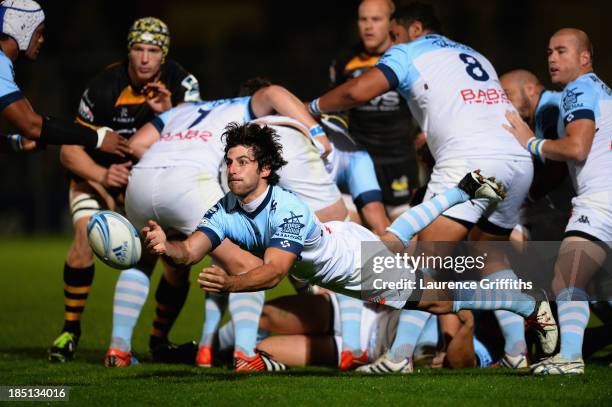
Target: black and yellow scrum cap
x=149, y=30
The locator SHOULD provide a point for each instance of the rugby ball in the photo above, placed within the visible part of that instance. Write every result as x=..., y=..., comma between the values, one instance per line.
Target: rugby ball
x=114, y=239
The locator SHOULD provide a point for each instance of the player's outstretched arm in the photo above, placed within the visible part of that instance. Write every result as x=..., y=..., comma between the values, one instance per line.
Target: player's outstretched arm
x=76, y=160
x=143, y=139
x=352, y=93
x=189, y=251
x=49, y=130
x=277, y=264
x=276, y=99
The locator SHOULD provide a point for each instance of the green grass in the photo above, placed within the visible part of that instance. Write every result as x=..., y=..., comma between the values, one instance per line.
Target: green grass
x=31, y=300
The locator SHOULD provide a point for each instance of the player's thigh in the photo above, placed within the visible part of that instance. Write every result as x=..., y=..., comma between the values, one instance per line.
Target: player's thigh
x=298, y=314
x=578, y=260
x=516, y=175
x=301, y=350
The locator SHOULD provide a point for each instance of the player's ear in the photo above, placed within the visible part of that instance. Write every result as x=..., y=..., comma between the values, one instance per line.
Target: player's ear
x=415, y=30
x=585, y=58
x=265, y=171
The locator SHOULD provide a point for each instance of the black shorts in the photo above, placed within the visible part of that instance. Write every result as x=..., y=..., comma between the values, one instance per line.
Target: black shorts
x=397, y=180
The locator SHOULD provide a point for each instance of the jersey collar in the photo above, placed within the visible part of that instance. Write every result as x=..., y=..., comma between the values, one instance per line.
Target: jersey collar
x=260, y=208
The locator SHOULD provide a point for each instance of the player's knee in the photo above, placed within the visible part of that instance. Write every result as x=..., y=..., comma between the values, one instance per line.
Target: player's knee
x=80, y=254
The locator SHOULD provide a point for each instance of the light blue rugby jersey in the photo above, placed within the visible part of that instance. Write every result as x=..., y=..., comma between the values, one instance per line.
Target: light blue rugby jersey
x=282, y=220
x=455, y=95
x=547, y=115
x=588, y=97
x=9, y=91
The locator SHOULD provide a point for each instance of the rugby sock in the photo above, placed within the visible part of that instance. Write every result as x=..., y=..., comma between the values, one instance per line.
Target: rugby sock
x=511, y=324
x=350, y=317
x=409, y=329
x=245, y=310
x=214, y=307
x=131, y=292
x=226, y=336
x=573, y=310
x=493, y=299
x=429, y=335
x=513, y=329
x=418, y=217
x=170, y=301
x=77, y=284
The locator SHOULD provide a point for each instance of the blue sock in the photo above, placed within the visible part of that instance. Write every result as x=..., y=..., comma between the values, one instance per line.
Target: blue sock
x=245, y=309
x=214, y=307
x=226, y=336
x=409, y=328
x=429, y=337
x=418, y=217
x=131, y=292
x=513, y=329
x=350, y=316
x=493, y=299
x=573, y=310
x=511, y=324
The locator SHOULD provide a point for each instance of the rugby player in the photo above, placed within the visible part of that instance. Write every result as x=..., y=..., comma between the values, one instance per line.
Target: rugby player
x=584, y=143
x=22, y=28
x=454, y=93
x=176, y=180
x=125, y=96
x=383, y=125
x=263, y=217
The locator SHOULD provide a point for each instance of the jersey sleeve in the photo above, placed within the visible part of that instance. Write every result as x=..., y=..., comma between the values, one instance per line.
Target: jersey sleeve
x=291, y=228
x=213, y=225
x=9, y=91
x=184, y=87
x=161, y=120
x=578, y=101
x=396, y=65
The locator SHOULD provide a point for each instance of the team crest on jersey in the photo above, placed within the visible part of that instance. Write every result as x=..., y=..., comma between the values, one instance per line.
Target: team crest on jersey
x=570, y=99
x=292, y=225
x=85, y=112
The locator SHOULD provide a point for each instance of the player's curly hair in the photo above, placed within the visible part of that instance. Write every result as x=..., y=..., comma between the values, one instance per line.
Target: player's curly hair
x=264, y=142
x=417, y=11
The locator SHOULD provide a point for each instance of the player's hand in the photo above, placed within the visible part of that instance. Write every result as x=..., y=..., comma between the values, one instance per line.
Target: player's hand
x=322, y=144
x=115, y=144
x=214, y=279
x=155, y=238
x=28, y=145
x=518, y=128
x=159, y=98
x=117, y=175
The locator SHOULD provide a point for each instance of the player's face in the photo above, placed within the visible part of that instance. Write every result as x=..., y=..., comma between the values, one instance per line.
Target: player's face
x=145, y=62
x=563, y=59
x=399, y=33
x=374, y=25
x=244, y=177
x=518, y=98
x=35, y=42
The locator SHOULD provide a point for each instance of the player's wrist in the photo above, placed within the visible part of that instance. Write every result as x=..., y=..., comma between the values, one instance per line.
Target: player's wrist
x=313, y=107
x=316, y=131
x=534, y=146
x=101, y=132
x=15, y=142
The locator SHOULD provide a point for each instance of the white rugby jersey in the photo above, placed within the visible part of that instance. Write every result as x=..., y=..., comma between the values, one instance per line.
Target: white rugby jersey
x=190, y=134
x=455, y=95
x=588, y=97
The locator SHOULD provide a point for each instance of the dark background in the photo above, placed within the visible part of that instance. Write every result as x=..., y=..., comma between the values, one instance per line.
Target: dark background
x=224, y=42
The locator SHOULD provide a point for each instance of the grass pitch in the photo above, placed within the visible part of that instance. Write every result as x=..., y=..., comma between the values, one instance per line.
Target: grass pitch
x=31, y=300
